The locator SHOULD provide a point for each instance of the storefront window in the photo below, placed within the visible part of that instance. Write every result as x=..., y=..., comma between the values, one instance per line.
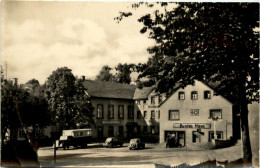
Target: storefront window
x=218, y=133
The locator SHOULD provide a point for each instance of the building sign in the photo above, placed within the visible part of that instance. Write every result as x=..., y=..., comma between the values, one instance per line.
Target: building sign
x=194, y=112
x=194, y=125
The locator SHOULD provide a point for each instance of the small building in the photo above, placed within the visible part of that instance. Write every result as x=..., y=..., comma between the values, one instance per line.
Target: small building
x=193, y=114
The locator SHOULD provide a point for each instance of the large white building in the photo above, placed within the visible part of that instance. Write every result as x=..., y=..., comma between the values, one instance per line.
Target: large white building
x=192, y=114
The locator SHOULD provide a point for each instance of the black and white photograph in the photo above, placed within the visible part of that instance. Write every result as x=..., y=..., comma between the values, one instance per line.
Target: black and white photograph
x=129, y=84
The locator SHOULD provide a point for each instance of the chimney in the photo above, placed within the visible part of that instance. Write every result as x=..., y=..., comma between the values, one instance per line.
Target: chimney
x=15, y=81
x=83, y=78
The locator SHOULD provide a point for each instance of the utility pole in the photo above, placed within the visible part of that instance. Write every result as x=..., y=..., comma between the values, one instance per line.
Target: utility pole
x=6, y=70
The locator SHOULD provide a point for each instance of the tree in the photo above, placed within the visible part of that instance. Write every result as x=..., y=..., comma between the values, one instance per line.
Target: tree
x=210, y=42
x=105, y=74
x=21, y=109
x=67, y=99
x=124, y=72
x=33, y=82
x=9, y=116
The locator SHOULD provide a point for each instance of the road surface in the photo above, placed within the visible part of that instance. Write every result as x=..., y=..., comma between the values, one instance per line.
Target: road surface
x=97, y=156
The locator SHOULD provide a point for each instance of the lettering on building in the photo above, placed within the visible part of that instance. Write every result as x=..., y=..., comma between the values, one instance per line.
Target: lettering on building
x=192, y=125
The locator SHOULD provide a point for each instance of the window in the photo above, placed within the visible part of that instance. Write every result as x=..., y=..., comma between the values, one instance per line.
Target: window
x=207, y=94
x=174, y=115
x=130, y=112
x=160, y=98
x=138, y=114
x=152, y=100
x=152, y=114
x=194, y=95
x=100, y=111
x=218, y=133
x=21, y=133
x=158, y=114
x=138, y=102
x=110, y=131
x=145, y=114
x=145, y=130
x=110, y=111
x=144, y=101
x=181, y=95
x=153, y=129
x=216, y=114
x=121, y=131
x=194, y=112
x=120, y=111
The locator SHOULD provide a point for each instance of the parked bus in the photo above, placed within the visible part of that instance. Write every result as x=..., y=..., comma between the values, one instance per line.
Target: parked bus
x=75, y=138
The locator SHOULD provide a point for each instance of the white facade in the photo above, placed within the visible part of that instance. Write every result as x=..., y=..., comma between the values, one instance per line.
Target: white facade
x=188, y=113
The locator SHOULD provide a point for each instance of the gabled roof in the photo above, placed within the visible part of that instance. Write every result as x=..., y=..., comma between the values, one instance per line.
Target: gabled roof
x=143, y=93
x=105, y=89
x=178, y=87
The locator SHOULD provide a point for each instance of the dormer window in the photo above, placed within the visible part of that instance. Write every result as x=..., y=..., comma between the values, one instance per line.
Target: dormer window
x=207, y=94
x=194, y=95
x=160, y=98
x=181, y=95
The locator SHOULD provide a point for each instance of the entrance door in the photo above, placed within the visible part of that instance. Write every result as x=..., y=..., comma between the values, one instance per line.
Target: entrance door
x=100, y=132
x=178, y=135
x=196, y=136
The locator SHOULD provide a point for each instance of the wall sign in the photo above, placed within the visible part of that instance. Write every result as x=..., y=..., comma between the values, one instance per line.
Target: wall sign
x=192, y=125
x=194, y=112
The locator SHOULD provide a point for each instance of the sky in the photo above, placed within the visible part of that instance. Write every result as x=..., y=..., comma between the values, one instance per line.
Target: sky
x=39, y=37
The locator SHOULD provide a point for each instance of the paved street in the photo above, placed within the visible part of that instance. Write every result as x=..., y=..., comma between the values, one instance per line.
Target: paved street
x=97, y=156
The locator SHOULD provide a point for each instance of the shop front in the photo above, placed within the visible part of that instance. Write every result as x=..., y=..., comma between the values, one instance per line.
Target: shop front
x=186, y=134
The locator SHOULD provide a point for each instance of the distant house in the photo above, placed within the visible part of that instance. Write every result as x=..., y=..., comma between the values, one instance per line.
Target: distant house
x=191, y=114
x=113, y=108
x=147, y=103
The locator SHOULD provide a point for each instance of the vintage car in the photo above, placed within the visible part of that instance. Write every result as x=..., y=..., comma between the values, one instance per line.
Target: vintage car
x=113, y=142
x=75, y=138
x=136, y=144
